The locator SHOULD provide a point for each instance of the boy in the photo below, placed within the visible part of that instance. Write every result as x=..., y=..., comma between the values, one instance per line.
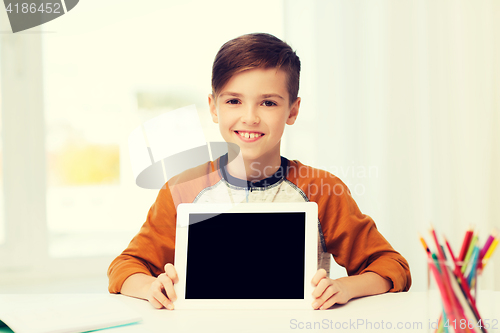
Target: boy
x=255, y=82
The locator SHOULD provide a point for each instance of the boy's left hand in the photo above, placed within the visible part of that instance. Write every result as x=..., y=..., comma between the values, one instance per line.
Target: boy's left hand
x=328, y=292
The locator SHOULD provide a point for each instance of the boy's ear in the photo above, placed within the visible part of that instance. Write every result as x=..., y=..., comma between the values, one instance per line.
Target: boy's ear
x=213, y=109
x=294, y=112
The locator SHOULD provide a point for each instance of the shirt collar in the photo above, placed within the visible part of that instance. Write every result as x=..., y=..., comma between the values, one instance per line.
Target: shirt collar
x=276, y=177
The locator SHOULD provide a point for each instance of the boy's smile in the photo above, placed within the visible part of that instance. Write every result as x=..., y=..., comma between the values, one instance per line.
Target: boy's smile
x=249, y=136
x=252, y=110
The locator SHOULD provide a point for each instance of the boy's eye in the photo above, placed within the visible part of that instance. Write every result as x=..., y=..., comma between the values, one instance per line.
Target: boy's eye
x=233, y=101
x=269, y=103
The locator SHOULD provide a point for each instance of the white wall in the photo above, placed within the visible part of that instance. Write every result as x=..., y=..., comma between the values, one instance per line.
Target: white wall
x=410, y=89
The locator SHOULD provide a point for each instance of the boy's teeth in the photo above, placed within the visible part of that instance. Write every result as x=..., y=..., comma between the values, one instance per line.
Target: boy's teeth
x=249, y=135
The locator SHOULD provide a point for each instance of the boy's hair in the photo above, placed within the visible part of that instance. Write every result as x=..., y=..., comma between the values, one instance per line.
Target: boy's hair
x=257, y=50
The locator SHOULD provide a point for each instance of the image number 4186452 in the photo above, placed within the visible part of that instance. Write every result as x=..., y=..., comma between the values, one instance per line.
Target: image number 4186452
x=26, y=14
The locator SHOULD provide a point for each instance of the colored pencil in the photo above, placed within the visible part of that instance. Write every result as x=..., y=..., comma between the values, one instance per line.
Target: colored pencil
x=473, y=266
x=446, y=280
x=444, y=253
x=465, y=245
x=460, y=276
x=452, y=311
x=469, y=253
x=444, y=294
x=488, y=254
x=424, y=244
x=465, y=310
x=464, y=286
x=454, y=287
x=486, y=246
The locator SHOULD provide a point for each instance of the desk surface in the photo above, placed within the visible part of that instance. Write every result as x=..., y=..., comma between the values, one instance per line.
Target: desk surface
x=407, y=312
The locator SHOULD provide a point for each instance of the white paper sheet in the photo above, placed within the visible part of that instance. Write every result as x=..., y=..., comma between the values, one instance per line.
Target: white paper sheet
x=58, y=314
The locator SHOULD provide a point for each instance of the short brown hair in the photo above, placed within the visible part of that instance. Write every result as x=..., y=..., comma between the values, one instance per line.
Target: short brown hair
x=257, y=50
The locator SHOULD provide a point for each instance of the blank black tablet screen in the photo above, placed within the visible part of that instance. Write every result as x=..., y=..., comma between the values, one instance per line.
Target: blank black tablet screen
x=246, y=256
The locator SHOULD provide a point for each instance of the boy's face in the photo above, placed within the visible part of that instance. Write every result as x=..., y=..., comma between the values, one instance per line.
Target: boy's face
x=252, y=110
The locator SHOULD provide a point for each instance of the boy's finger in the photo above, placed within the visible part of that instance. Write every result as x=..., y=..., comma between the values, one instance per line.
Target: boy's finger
x=328, y=294
x=162, y=299
x=320, y=288
x=329, y=303
x=169, y=288
x=323, y=290
x=171, y=273
x=320, y=274
x=155, y=303
x=317, y=303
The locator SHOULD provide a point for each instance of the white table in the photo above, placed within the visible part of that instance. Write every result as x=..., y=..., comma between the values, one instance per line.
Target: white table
x=412, y=311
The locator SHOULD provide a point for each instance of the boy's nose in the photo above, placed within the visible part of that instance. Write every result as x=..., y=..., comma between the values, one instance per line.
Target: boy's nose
x=250, y=116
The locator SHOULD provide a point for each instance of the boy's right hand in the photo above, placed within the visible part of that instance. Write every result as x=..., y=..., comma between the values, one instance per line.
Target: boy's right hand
x=161, y=293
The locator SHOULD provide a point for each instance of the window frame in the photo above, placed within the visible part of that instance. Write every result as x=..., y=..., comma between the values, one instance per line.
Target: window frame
x=24, y=256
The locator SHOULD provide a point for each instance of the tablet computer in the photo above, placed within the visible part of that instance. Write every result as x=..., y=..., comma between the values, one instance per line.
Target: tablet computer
x=249, y=255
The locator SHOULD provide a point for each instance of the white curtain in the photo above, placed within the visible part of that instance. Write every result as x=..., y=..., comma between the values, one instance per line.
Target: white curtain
x=401, y=100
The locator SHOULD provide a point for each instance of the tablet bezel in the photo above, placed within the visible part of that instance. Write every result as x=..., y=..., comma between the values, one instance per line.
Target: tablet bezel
x=311, y=249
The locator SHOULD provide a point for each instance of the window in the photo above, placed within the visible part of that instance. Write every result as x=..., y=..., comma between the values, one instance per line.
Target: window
x=72, y=201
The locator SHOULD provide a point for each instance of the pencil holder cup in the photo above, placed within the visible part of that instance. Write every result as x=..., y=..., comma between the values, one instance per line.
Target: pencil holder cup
x=451, y=298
